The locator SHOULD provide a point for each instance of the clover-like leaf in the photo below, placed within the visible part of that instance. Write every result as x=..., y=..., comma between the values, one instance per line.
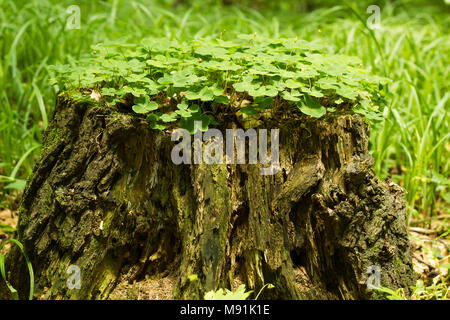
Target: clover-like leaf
x=293, y=84
x=347, y=92
x=169, y=117
x=289, y=97
x=183, y=113
x=262, y=102
x=206, y=94
x=157, y=126
x=311, y=106
x=134, y=91
x=193, y=95
x=245, y=86
x=144, y=105
x=197, y=117
x=222, y=99
x=109, y=91
x=182, y=105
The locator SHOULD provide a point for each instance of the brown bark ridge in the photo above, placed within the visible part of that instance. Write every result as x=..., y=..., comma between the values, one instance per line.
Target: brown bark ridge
x=106, y=197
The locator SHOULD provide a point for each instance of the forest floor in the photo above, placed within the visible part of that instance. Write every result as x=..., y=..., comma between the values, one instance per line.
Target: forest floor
x=8, y=222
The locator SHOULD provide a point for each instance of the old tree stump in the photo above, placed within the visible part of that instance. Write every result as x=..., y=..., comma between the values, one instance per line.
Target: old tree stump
x=106, y=197
x=312, y=230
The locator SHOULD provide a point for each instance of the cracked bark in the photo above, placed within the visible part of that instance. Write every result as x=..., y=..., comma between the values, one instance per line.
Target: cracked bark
x=311, y=230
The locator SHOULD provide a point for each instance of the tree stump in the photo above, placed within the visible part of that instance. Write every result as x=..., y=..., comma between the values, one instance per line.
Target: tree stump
x=106, y=197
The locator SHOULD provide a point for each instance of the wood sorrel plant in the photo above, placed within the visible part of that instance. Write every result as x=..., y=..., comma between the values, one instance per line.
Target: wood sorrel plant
x=183, y=82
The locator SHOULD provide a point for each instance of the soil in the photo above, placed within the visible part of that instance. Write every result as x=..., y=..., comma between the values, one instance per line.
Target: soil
x=7, y=218
x=147, y=289
x=428, y=253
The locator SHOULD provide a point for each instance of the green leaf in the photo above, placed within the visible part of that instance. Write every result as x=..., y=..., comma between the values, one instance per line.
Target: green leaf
x=3, y=269
x=145, y=106
x=153, y=117
x=264, y=91
x=249, y=110
x=169, y=117
x=245, y=86
x=134, y=91
x=289, y=97
x=112, y=101
x=157, y=126
x=311, y=106
x=183, y=105
x=217, y=91
x=109, y=91
x=347, y=92
x=365, y=109
x=192, y=277
x=206, y=94
x=7, y=228
x=189, y=123
x=193, y=95
x=262, y=102
x=184, y=113
x=239, y=294
x=212, y=51
x=293, y=84
x=16, y=185
x=222, y=99
x=328, y=83
x=312, y=92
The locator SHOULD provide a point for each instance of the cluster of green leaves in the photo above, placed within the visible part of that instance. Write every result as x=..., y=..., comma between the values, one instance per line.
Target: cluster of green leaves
x=239, y=294
x=435, y=291
x=170, y=80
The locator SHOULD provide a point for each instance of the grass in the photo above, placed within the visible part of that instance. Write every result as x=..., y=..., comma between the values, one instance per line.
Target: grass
x=13, y=291
x=412, y=47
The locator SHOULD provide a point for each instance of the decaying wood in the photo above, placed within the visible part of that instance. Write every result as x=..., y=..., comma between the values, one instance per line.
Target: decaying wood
x=106, y=197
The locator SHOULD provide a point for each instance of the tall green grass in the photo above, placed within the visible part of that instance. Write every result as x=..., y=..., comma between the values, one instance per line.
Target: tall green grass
x=411, y=48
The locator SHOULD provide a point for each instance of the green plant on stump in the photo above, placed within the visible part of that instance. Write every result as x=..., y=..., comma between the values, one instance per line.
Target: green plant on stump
x=182, y=82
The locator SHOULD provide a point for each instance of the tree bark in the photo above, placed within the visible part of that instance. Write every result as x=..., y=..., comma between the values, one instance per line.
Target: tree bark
x=106, y=197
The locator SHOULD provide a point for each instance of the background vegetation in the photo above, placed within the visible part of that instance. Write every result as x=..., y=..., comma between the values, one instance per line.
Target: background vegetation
x=411, y=47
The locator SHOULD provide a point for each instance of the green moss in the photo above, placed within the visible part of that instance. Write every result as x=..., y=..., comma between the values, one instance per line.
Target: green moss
x=53, y=136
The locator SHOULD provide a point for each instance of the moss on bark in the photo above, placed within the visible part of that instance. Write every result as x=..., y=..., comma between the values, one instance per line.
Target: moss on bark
x=106, y=197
